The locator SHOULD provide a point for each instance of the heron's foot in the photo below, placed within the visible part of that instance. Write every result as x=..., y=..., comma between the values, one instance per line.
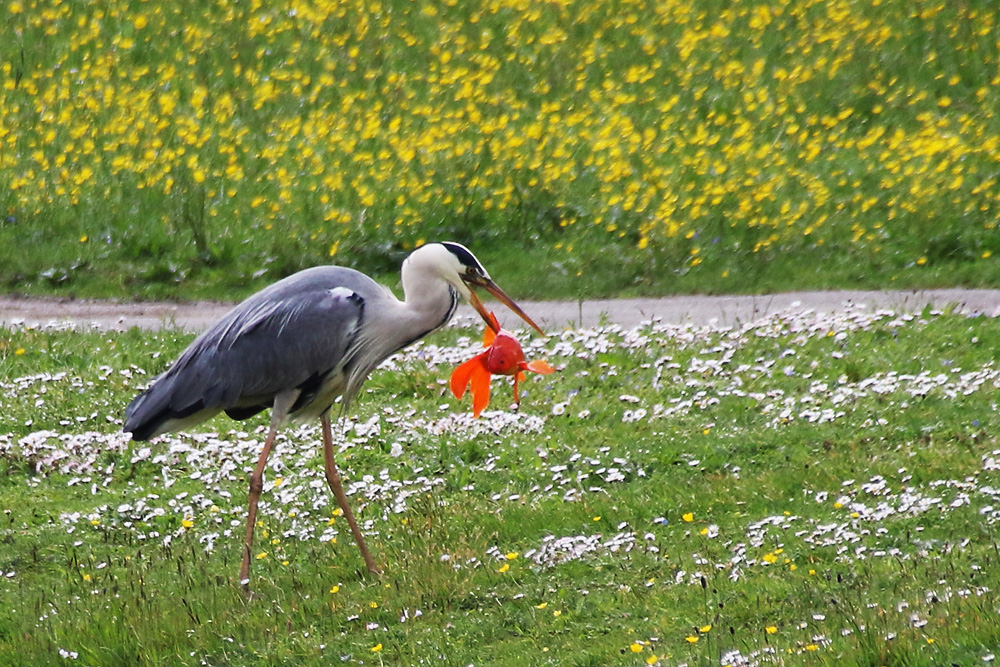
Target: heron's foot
x=247, y=593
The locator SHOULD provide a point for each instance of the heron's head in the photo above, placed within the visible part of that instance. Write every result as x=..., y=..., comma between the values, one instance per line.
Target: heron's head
x=459, y=267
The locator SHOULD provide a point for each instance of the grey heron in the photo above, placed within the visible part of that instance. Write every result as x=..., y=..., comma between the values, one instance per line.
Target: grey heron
x=298, y=345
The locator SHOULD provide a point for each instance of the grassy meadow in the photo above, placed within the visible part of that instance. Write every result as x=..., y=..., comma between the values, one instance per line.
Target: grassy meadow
x=155, y=148
x=797, y=490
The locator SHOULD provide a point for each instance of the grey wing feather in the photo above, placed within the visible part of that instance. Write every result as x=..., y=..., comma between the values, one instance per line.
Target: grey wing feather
x=280, y=346
x=285, y=337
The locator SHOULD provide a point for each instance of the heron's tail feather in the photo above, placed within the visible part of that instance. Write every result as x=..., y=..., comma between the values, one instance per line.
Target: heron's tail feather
x=165, y=406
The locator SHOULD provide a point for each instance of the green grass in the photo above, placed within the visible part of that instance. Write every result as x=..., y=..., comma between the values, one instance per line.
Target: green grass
x=177, y=150
x=804, y=491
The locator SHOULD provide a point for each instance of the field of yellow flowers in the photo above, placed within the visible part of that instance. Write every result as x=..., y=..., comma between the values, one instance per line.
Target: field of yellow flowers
x=670, y=145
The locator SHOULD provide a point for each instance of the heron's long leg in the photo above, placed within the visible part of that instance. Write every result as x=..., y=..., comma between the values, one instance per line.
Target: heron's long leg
x=282, y=404
x=333, y=478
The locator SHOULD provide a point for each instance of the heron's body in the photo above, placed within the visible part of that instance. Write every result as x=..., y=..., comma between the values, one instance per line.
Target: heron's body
x=298, y=345
x=310, y=333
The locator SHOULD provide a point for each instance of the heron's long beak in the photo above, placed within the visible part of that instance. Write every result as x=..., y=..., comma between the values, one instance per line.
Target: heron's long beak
x=500, y=296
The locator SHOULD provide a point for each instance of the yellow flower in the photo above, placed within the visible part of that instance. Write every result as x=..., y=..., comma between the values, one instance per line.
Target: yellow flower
x=652, y=659
x=335, y=588
x=541, y=605
x=688, y=518
x=770, y=629
x=262, y=555
x=636, y=648
x=187, y=523
x=19, y=351
x=504, y=567
x=512, y=555
x=705, y=628
x=691, y=639
x=376, y=648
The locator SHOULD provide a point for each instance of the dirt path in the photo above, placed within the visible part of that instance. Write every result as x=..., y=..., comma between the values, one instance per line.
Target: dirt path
x=696, y=310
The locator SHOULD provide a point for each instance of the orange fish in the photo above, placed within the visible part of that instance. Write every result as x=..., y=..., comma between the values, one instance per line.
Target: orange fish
x=503, y=356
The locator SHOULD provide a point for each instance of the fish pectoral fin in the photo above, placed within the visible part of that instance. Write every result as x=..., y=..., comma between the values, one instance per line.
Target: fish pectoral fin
x=539, y=366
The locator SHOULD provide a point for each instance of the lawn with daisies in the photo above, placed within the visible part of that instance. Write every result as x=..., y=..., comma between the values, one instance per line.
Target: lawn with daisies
x=793, y=490
x=797, y=489
x=157, y=148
